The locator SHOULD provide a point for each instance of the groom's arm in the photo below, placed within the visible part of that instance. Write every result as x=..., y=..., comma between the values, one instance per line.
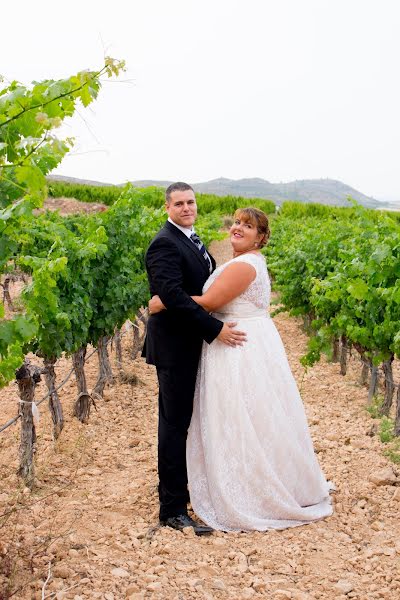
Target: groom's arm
x=163, y=263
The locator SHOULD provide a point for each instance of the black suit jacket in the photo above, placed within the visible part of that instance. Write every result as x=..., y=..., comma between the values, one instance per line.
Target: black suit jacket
x=177, y=270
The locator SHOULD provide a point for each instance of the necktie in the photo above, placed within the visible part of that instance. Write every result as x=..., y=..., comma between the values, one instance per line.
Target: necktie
x=197, y=242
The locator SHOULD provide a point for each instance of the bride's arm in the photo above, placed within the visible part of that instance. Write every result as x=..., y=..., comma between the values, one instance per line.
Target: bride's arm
x=232, y=282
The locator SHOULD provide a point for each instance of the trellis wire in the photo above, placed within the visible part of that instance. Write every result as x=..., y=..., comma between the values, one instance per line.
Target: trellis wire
x=15, y=419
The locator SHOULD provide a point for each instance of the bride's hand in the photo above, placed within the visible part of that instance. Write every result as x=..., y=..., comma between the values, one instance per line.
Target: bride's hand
x=155, y=305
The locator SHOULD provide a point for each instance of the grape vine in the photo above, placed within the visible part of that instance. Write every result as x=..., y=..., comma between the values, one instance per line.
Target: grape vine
x=341, y=271
x=29, y=150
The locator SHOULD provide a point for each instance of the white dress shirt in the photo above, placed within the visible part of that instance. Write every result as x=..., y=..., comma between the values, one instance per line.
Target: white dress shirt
x=185, y=230
x=188, y=232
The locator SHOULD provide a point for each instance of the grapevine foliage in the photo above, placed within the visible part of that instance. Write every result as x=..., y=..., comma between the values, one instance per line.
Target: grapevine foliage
x=87, y=273
x=29, y=150
x=342, y=269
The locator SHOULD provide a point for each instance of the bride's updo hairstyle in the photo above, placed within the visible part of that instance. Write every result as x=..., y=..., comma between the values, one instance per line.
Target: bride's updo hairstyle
x=257, y=218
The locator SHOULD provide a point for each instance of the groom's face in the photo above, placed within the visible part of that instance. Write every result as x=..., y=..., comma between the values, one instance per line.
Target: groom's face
x=182, y=208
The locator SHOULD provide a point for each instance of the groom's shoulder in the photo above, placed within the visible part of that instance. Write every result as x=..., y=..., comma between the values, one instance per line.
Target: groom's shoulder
x=164, y=233
x=169, y=232
x=165, y=237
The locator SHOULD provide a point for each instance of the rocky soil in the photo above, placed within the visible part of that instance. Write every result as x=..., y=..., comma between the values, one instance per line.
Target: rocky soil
x=89, y=529
x=67, y=206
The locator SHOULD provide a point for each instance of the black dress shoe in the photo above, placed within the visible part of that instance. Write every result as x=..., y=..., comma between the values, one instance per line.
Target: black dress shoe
x=181, y=521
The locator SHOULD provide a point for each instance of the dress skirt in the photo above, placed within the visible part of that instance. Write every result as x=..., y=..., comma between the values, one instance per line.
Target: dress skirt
x=250, y=457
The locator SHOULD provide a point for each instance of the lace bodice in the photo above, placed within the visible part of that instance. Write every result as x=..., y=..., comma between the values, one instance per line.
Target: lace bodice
x=256, y=296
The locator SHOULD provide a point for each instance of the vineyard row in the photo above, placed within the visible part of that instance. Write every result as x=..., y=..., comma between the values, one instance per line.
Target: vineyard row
x=340, y=270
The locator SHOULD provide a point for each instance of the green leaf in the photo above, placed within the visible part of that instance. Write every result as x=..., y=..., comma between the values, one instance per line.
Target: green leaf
x=396, y=296
x=358, y=289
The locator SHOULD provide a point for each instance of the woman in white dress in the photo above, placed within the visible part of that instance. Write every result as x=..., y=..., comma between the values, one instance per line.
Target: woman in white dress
x=250, y=458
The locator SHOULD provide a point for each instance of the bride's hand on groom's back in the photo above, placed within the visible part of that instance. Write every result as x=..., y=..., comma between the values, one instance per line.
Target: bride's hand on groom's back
x=155, y=305
x=230, y=336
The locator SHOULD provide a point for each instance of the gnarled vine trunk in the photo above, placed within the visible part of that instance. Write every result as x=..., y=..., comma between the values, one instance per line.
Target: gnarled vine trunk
x=27, y=377
x=367, y=364
x=105, y=370
x=397, y=418
x=138, y=336
x=84, y=400
x=343, y=355
x=335, y=350
x=118, y=350
x=373, y=384
x=6, y=292
x=389, y=386
x=364, y=374
x=307, y=320
x=55, y=406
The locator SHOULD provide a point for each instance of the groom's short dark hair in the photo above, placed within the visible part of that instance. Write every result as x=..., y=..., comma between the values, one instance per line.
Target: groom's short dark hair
x=179, y=186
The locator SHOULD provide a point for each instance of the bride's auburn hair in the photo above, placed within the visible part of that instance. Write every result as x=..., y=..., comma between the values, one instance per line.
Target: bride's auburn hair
x=257, y=218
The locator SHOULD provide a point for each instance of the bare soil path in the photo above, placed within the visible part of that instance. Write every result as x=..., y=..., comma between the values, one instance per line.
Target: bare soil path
x=92, y=522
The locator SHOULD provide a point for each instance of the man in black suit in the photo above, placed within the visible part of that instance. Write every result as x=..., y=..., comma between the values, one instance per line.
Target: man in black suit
x=178, y=265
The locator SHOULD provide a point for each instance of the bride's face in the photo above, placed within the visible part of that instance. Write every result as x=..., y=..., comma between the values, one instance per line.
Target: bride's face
x=244, y=236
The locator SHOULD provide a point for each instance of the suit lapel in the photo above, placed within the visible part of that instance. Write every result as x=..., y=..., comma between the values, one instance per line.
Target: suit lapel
x=183, y=238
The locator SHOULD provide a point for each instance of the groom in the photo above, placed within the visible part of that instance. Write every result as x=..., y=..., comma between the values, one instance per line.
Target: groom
x=177, y=266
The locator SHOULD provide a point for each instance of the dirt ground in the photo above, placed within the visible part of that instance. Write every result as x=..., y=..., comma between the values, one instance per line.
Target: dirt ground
x=90, y=526
x=67, y=206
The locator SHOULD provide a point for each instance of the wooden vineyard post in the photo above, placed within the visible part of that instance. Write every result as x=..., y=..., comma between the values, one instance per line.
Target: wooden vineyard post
x=54, y=400
x=27, y=377
x=84, y=400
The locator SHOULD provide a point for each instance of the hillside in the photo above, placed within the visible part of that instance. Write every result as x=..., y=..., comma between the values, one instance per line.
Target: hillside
x=323, y=191
x=75, y=180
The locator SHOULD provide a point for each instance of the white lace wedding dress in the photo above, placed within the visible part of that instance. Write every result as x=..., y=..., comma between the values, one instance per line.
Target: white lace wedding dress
x=250, y=458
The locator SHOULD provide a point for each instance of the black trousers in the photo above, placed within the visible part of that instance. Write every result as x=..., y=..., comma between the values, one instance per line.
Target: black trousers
x=175, y=406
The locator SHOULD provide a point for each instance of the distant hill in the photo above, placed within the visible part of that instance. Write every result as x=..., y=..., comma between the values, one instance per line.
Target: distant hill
x=75, y=180
x=323, y=191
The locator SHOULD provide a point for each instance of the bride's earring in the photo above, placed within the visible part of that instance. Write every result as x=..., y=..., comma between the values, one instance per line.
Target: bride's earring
x=255, y=244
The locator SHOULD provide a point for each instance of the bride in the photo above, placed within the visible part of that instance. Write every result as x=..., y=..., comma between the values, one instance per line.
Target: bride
x=250, y=458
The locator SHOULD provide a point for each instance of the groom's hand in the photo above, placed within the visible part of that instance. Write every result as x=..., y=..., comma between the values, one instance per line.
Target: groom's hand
x=230, y=336
x=155, y=305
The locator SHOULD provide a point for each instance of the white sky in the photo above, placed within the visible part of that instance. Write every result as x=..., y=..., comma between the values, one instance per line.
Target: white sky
x=278, y=89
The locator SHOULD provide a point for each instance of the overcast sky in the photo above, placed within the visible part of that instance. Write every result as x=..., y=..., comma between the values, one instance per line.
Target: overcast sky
x=278, y=89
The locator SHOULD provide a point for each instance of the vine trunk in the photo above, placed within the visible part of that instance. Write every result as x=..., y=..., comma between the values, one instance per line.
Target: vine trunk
x=55, y=406
x=105, y=370
x=27, y=377
x=84, y=400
